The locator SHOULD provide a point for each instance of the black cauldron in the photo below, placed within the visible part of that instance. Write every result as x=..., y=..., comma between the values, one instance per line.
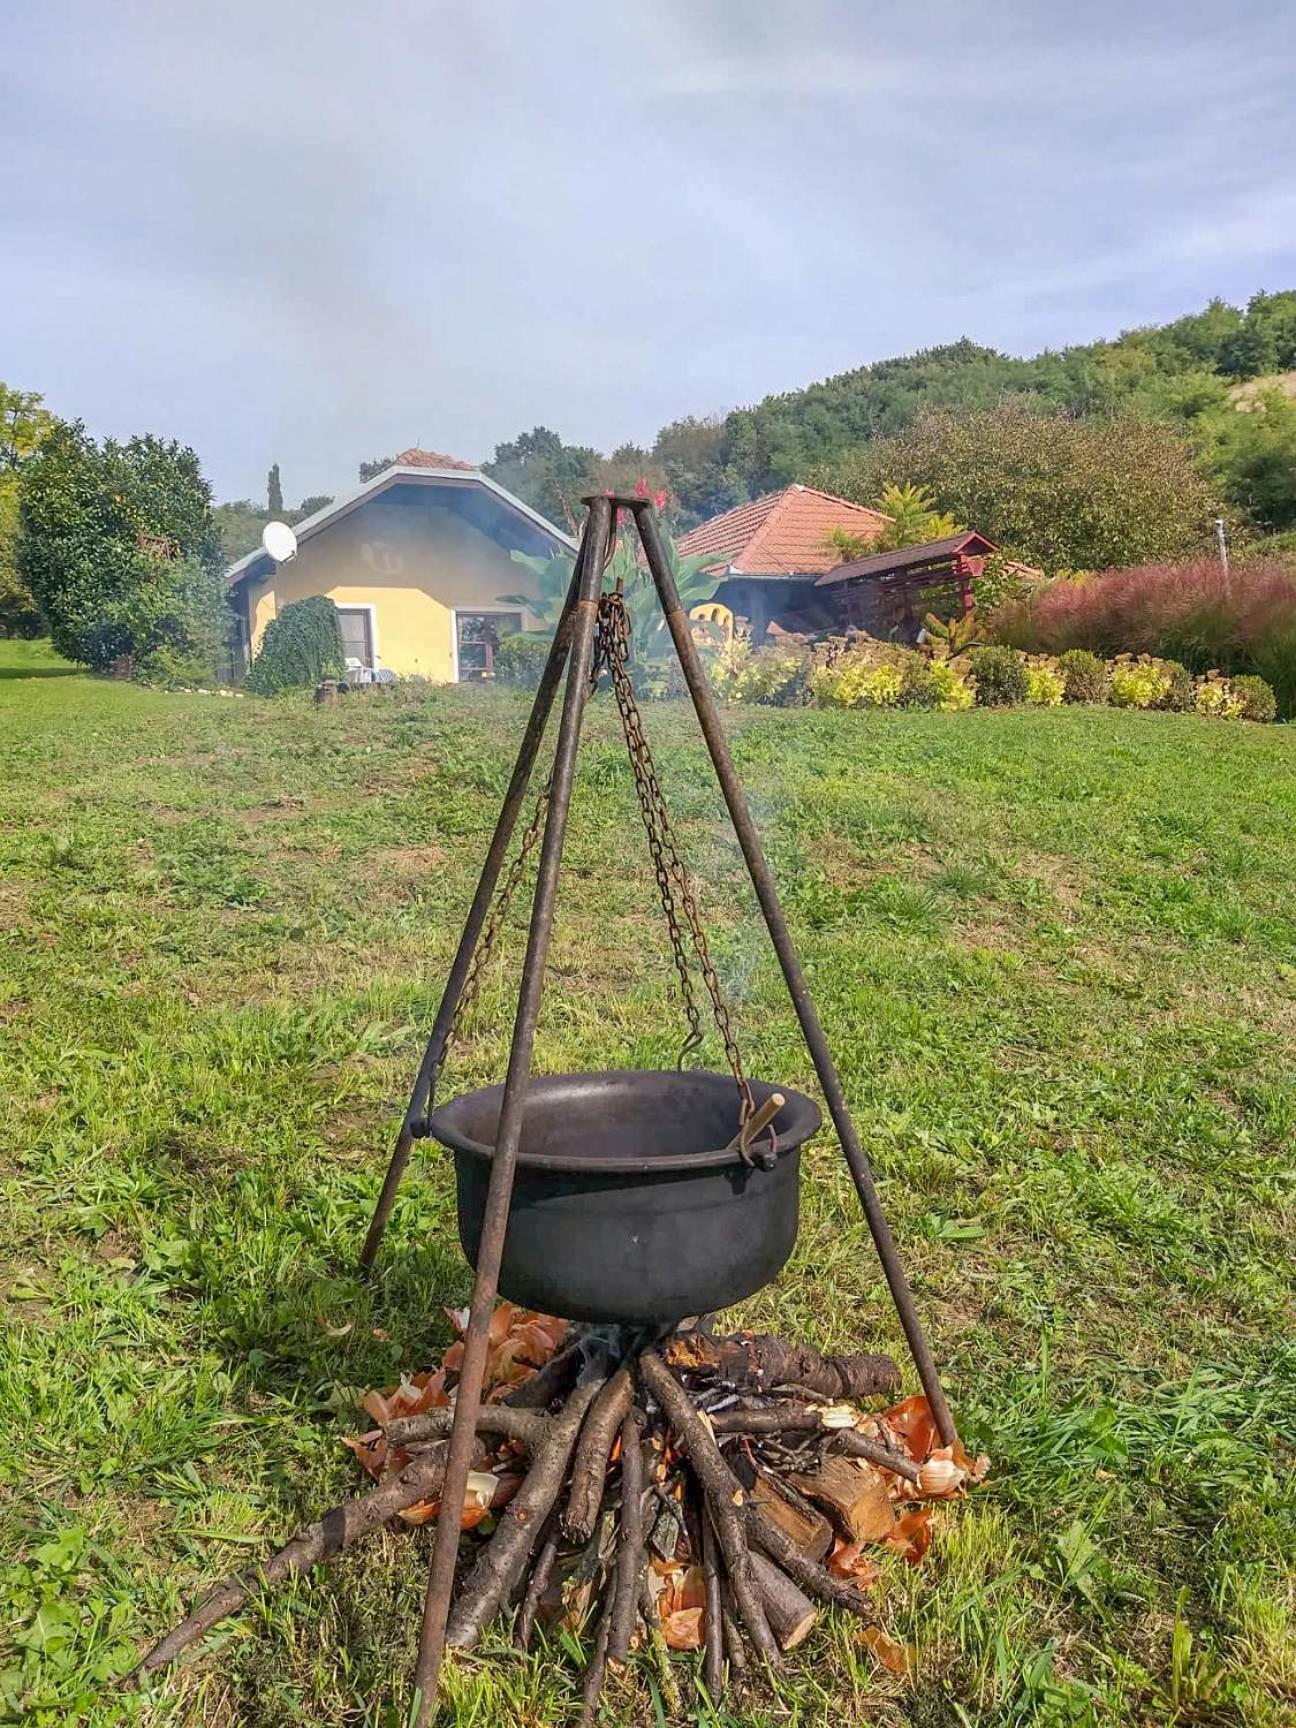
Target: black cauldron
x=628, y=1205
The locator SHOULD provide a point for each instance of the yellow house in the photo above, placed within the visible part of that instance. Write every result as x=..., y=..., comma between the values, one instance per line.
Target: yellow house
x=415, y=561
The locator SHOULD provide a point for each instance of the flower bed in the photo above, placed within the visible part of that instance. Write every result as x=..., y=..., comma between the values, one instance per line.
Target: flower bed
x=863, y=673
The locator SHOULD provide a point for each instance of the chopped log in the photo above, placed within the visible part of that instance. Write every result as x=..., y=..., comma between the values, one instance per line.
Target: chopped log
x=791, y=1612
x=758, y=1360
x=724, y=1496
x=809, y=1574
x=537, y=1583
x=630, y=1551
x=527, y=1427
x=713, y=1656
x=853, y=1493
x=811, y=1531
x=499, y=1565
x=589, y=1472
x=421, y=1479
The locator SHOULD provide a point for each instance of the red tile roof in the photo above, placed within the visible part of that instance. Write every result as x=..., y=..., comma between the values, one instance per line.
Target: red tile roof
x=431, y=459
x=782, y=533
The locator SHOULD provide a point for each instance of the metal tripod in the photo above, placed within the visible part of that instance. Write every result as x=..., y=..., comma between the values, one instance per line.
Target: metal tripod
x=573, y=651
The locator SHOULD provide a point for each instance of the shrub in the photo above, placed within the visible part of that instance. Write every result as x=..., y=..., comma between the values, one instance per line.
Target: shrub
x=1257, y=698
x=300, y=647
x=775, y=677
x=857, y=681
x=1000, y=675
x=1086, y=678
x=1140, y=683
x=1181, y=694
x=1240, y=621
x=1045, y=683
x=1216, y=696
x=520, y=659
x=935, y=684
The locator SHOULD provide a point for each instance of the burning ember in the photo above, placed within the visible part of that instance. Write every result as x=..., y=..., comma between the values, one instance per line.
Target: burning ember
x=709, y=1492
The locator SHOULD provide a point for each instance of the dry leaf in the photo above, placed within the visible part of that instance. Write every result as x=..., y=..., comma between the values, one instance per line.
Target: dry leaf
x=848, y=1560
x=913, y=1425
x=683, y=1630
x=888, y=1652
x=912, y=1535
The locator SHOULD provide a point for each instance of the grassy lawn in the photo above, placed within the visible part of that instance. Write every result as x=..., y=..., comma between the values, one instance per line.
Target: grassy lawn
x=1056, y=953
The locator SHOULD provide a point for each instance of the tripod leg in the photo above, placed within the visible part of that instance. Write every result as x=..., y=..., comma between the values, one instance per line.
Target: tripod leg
x=767, y=894
x=434, y=1053
x=499, y=1195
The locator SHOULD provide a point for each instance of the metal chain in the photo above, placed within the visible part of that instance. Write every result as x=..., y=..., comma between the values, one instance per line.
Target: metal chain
x=673, y=885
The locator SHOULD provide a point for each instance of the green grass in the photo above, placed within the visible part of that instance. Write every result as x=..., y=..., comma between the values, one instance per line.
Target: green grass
x=1056, y=954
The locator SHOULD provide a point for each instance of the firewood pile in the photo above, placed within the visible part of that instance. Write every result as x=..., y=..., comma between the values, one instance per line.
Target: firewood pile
x=692, y=1492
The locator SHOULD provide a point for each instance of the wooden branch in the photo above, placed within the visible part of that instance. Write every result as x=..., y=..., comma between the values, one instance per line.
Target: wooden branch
x=713, y=1658
x=791, y=1612
x=596, y=1673
x=759, y=1360
x=421, y=1479
x=527, y=1427
x=499, y=1565
x=538, y=1582
x=733, y=1638
x=724, y=1498
x=589, y=1472
x=630, y=1551
x=794, y=1419
x=812, y=1577
x=554, y=1380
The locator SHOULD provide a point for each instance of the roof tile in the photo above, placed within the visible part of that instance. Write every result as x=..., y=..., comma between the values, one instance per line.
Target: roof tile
x=782, y=533
x=431, y=459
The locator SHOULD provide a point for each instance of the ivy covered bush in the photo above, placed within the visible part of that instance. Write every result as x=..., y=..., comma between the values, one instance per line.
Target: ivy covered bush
x=300, y=647
x=1258, y=699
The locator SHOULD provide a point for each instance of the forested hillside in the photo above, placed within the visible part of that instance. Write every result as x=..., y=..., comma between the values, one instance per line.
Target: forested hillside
x=1181, y=373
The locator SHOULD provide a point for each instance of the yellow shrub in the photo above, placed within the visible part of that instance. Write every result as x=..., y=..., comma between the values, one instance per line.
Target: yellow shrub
x=856, y=681
x=1045, y=684
x=1138, y=683
x=1217, y=697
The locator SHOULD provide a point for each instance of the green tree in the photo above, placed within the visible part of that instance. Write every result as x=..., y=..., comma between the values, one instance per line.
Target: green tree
x=369, y=470
x=118, y=544
x=1250, y=448
x=24, y=424
x=914, y=515
x=1057, y=490
x=547, y=474
x=316, y=501
x=274, y=491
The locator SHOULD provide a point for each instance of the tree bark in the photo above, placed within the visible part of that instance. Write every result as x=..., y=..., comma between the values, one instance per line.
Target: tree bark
x=791, y=1612
x=537, y=1583
x=758, y=1360
x=499, y=1566
x=527, y=1427
x=812, y=1577
x=713, y=1658
x=589, y=1472
x=630, y=1551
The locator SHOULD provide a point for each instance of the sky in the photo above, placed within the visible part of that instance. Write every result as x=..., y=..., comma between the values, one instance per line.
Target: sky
x=319, y=233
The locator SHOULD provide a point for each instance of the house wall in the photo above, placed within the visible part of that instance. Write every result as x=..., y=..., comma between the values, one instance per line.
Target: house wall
x=413, y=565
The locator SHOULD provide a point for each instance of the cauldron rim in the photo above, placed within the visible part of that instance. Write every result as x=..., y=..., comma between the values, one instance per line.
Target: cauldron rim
x=796, y=1122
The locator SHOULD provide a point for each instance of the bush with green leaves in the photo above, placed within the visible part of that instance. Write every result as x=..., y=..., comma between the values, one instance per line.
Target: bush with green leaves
x=1257, y=698
x=858, y=679
x=1181, y=695
x=1086, y=677
x=1000, y=675
x=1140, y=682
x=520, y=659
x=934, y=683
x=772, y=677
x=300, y=647
x=1045, y=681
x=1216, y=697
x=93, y=519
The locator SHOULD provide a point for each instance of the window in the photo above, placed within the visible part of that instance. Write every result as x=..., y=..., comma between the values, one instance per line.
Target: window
x=477, y=636
x=356, y=623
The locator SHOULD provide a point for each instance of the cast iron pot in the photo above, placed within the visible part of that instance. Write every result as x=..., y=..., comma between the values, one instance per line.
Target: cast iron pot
x=626, y=1205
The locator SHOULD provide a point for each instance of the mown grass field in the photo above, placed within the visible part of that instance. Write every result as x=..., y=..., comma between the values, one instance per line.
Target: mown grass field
x=1056, y=953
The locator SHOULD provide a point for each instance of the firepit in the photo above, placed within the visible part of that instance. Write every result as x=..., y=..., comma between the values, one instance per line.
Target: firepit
x=633, y=1200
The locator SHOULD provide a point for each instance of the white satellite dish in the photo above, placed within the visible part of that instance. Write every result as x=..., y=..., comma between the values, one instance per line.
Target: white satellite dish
x=278, y=542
